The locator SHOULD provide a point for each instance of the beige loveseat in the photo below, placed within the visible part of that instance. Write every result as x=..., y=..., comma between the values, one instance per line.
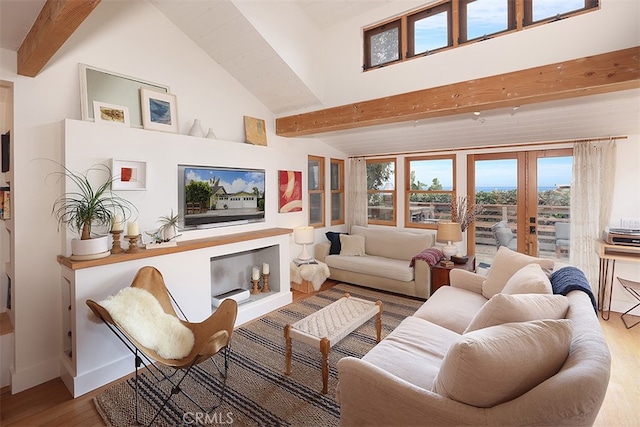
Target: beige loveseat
x=495, y=351
x=383, y=262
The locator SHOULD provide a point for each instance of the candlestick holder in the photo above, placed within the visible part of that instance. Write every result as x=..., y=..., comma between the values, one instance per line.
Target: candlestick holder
x=116, y=248
x=255, y=289
x=265, y=286
x=133, y=244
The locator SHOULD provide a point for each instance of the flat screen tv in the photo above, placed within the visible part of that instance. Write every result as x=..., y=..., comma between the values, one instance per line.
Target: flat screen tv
x=211, y=196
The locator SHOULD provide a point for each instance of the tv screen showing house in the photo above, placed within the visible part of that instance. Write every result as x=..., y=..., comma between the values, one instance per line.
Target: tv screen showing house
x=215, y=196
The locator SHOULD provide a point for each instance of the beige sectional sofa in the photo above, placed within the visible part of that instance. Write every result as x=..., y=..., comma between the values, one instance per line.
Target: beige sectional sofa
x=383, y=262
x=500, y=350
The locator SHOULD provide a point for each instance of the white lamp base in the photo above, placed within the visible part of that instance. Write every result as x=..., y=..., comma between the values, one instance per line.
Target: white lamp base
x=304, y=255
x=449, y=250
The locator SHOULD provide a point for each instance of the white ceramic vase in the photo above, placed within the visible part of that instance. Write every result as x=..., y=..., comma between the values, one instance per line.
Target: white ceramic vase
x=211, y=135
x=196, y=129
x=169, y=233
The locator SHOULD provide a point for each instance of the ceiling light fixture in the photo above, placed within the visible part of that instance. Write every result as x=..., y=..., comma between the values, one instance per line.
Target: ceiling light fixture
x=476, y=113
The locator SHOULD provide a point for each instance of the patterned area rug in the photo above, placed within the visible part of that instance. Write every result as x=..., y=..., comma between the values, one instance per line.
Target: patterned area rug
x=258, y=392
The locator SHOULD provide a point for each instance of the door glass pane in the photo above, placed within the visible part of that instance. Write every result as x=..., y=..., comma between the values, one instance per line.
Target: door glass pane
x=554, y=194
x=497, y=190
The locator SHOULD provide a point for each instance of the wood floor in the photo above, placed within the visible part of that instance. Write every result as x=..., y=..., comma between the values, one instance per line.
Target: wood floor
x=50, y=404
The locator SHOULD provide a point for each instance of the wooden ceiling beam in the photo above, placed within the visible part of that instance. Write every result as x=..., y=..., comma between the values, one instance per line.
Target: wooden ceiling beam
x=57, y=20
x=608, y=72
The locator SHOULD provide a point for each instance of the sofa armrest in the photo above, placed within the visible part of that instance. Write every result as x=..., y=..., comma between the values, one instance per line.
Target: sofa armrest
x=371, y=396
x=322, y=250
x=422, y=278
x=466, y=280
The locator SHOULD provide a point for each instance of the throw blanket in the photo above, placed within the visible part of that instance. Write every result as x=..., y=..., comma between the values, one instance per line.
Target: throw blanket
x=569, y=279
x=431, y=256
x=314, y=273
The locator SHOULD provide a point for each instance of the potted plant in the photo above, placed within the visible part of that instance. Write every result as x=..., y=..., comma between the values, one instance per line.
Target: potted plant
x=169, y=226
x=89, y=206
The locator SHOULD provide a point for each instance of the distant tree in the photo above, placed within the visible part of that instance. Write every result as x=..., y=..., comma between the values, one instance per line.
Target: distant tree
x=378, y=174
x=198, y=192
x=435, y=185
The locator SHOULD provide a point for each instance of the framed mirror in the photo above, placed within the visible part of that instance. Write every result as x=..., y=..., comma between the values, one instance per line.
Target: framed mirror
x=112, y=88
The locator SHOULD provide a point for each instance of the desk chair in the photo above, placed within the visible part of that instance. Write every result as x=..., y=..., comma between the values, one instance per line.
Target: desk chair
x=634, y=289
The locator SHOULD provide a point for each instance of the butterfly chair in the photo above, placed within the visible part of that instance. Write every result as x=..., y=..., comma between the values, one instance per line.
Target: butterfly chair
x=154, y=345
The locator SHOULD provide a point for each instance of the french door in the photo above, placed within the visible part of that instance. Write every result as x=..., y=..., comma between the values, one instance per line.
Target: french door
x=525, y=195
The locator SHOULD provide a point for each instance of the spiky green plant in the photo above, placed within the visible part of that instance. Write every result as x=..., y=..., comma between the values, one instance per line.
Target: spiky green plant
x=80, y=210
x=168, y=221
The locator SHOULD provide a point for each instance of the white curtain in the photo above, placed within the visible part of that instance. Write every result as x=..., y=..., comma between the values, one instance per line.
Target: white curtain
x=357, y=192
x=593, y=180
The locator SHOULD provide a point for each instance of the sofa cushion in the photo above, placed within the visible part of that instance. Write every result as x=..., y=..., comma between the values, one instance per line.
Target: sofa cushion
x=504, y=265
x=334, y=238
x=413, y=351
x=452, y=308
x=393, y=243
x=503, y=308
x=493, y=365
x=388, y=268
x=351, y=245
x=530, y=279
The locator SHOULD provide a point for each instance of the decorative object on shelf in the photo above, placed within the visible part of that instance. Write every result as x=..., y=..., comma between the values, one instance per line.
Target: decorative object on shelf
x=255, y=131
x=211, y=134
x=196, y=129
x=238, y=295
x=110, y=113
x=79, y=209
x=449, y=232
x=6, y=151
x=459, y=259
x=265, y=282
x=463, y=212
x=133, y=243
x=97, y=84
x=290, y=191
x=304, y=236
x=117, y=227
x=5, y=202
x=255, y=280
x=129, y=175
x=169, y=226
x=159, y=111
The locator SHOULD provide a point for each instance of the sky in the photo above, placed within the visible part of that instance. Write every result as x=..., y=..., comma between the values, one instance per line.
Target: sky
x=232, y=180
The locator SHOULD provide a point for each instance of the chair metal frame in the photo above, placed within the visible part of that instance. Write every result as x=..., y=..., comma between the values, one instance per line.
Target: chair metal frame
x=634, y=289
x=148, y=359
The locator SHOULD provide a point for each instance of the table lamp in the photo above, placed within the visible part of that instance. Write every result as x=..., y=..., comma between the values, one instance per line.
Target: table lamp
x=304, y=236
x=449, y=232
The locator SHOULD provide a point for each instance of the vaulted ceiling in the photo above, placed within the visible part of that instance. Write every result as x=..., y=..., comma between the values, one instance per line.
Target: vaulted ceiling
x=229, y=38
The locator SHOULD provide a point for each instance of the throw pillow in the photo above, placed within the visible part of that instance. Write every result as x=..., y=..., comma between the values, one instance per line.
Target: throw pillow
x=352, y=245
x=497, y=364
x=530, y=279
x=503, y=308
x=334, y=238
x=504, y=265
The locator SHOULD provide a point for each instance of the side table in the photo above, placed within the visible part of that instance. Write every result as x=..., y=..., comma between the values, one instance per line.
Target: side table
x=440, y=273
x=308, y=277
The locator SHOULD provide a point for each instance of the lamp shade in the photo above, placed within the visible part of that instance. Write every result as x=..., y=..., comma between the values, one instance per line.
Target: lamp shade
x=449, y=232
x=304, y=235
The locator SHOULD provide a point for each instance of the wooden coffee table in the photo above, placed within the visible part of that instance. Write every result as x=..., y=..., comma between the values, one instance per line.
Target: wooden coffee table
x=329, y=325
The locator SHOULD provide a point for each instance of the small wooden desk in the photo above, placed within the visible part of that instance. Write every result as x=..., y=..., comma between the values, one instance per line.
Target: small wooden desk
x=609, y=254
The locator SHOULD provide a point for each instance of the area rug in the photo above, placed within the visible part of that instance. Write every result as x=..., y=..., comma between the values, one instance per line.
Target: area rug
x=258, y=392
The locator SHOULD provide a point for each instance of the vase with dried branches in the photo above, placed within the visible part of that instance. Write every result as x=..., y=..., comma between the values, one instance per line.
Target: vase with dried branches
x=464, y=212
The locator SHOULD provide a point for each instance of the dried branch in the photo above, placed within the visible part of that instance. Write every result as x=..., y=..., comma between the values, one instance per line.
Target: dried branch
x=463, y=212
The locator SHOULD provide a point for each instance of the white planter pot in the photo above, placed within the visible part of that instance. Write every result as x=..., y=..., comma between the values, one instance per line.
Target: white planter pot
x=95, y=246
x=169, y=233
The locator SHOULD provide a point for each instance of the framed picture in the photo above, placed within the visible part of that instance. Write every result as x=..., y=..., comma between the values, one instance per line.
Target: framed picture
x=128, y=175
x=255, y=131
x=159, y=111
x=110, y=113
x=290, y=191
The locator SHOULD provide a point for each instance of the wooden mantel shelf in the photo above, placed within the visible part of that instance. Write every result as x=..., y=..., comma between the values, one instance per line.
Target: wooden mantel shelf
x=188, y=245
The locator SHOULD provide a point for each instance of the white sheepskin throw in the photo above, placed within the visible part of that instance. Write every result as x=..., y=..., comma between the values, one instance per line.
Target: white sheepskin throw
x=314, y=273
x=140, y=314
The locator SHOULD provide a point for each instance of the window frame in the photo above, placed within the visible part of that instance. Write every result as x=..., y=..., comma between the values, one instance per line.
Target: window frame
x=378, y=29
x=320, y=190
x=393, y=192
x=527, y=15
x=339, y=190
x=424, y=13
x=408, y=191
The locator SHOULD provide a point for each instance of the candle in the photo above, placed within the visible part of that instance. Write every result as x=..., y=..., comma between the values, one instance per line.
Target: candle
x=255, y=273
x=132, y=228
x=265, y=268
x=116, y=223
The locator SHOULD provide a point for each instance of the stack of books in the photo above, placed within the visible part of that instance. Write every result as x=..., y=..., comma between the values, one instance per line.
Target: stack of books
x=239, y=295
x=299, y=262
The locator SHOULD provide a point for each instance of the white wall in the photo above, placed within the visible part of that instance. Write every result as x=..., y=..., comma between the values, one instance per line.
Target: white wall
x=134, y=39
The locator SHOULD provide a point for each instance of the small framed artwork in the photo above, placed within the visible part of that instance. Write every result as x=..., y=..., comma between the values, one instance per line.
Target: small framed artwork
x=110, y=113
x=128, y=175
x=159, y=111
x=255, y=131
x=290, y=191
